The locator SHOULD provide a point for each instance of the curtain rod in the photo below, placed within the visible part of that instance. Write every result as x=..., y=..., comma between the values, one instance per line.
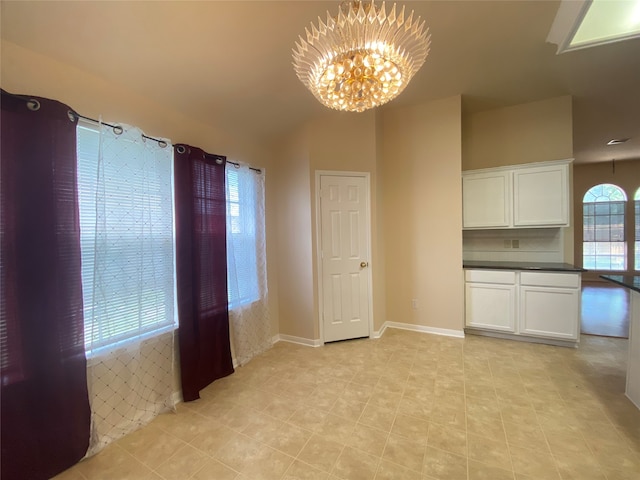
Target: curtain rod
x=118, y=129
x=162, y=143
x=237, y=165
x=33, y=104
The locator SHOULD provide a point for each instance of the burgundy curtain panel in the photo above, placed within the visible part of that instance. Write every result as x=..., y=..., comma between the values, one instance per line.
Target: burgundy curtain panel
x=201, y=265
x=45, y=405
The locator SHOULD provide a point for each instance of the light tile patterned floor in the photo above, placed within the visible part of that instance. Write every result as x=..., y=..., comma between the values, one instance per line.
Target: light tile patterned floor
x=406, y=406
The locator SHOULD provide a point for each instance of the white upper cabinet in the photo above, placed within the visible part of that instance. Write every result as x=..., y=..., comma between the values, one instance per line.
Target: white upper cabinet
x=486, y=200
x=541, y=196
x=522, y=196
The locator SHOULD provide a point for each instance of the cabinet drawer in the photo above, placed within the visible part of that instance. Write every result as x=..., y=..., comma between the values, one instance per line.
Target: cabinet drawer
x=490, y=276
x=546, y=279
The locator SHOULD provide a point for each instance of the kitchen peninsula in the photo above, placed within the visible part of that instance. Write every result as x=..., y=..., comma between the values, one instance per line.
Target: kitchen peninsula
x=530, y=301
x=632, y=282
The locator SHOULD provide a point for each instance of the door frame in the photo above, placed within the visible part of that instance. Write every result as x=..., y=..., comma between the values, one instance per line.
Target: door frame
x=318, y=222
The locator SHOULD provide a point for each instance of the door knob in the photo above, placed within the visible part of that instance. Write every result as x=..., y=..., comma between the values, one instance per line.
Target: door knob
x=364, y=264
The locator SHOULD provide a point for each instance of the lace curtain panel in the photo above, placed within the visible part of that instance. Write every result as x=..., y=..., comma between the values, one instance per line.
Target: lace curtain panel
x=246, y=263
x=126, y=221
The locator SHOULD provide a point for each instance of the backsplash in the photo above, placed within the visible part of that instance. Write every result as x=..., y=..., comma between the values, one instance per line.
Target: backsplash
x=524, y=245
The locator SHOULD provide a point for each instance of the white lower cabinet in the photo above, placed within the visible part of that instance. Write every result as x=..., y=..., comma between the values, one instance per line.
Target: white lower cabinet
x=550, y=305
x=491, y=304
x=542, y=305
x=549, y=312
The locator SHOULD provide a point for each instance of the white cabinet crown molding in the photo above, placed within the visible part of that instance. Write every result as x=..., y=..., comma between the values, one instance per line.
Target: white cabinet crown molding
x=565, y=161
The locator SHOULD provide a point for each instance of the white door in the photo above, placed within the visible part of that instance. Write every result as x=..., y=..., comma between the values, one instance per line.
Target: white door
x=344, y=253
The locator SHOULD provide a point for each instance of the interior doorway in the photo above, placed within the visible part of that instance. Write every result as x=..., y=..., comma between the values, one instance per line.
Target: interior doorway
x=344, y=255
x=605, y=310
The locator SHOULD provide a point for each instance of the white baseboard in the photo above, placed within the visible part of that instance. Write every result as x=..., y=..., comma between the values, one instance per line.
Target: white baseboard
x=380, y=332
x=423, y=329
x=632, y=401
x=298, y=340
x=376, y=334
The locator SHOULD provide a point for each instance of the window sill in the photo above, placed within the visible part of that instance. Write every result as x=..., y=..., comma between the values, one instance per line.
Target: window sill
x=95, y=355
x=235, y=306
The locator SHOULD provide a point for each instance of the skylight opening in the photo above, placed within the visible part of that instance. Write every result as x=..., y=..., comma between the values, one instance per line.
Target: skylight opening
x=589, y=23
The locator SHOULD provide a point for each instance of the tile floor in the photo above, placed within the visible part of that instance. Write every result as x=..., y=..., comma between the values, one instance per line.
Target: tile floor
x=406, y=406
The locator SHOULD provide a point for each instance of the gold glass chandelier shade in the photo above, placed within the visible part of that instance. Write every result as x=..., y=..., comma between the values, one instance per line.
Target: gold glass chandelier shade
x=363, y=57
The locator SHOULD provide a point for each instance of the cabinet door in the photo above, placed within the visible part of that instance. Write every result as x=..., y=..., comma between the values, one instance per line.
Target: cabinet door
x=550, y=312
x=541, y=196
x=486, y=200
x=490, y=306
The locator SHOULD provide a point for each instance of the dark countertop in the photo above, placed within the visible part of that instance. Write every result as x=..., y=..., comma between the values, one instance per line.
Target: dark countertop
x=541, y=266
x=629, y=281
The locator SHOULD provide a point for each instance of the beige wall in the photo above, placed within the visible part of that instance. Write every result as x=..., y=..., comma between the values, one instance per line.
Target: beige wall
x=26, y=72
x=346, y=142
x=625, y=175
x=294, y=238
x=526, y=133
x=413, y=156
x=421, y=169
x=336, y=142
x=378, y=235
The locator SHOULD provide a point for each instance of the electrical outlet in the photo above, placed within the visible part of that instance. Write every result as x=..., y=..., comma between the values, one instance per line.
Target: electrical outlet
x=515, y=243
x=507, y=244
x=414, y=304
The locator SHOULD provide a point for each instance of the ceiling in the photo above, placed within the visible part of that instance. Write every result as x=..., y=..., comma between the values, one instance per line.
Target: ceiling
x=229, y=62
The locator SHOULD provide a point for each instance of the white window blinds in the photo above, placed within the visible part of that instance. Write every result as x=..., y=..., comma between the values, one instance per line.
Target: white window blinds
x=242, y=264
x=126, y=223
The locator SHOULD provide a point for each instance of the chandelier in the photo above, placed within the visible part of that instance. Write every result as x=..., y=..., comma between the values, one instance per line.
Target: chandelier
x=361, y=58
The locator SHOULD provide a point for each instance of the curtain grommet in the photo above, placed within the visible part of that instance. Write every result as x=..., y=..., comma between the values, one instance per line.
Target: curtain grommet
x=72, y=116
x=180, y=149
x=118, y=130
x=162, y=143
x=219, y=161
x=33, y=105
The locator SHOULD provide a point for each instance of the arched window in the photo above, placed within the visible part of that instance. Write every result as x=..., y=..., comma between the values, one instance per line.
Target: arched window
x=604, y=246
x=636, y=199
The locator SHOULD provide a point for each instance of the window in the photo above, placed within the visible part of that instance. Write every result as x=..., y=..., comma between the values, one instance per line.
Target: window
x=242, y=265
x=604, y=246
x=126, y=233
x=636, y=199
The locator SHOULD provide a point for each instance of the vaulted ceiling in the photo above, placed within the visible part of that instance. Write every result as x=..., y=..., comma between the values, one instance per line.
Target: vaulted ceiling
x=229, y=62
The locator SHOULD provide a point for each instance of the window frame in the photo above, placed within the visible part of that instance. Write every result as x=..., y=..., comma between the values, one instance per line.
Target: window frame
x=246, y=237
x=636, y=216
x=93, y=350
x=604, y=201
